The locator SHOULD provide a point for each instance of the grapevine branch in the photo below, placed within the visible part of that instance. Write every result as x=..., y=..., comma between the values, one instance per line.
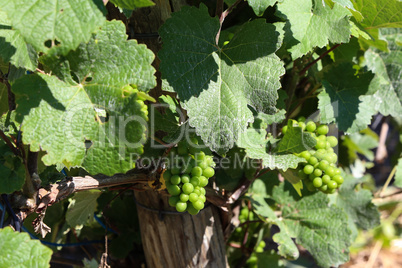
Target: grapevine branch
x=223, y=15
x=11, y=96
x=302, y=72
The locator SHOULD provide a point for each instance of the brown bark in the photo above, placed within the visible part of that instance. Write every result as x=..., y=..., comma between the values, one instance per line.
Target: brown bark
x=179, y=239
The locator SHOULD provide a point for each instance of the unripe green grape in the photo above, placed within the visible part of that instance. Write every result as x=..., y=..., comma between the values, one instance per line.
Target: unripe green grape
x=198, y=204
x=310, y=126
x=184, y=197
x=322, y=129
x=301, y=119
x=185, y=178
x=323, y=164
x=322, y=138
x=302, y=125
x=203, y=181
x=166, y=175
x=203, y=191
x=330, y=157
x=338, y=179
x=330, y=191
x=193, y=141
x=196, y=171
x=327, y=145
x=187, y=188
x=337, y=171
x=320, y=153
x=195, y=181
x=311, y=176
x=210, y=160
x=332, y=185
x=174, y=190
x=181, y=206
x=308, y=169
x=203, y=164
x=326, y=179
x=191, y=209
x=173, y=200
x=193, y=197
x=330, y=150
x=284, y=130
x=317, y=182
x=333, y=141
x=175, y=179
x=320, y=144
x=197, y=190
x=200, y=156
x=305, y=154
x=202, y=198
x=323, y=188
x=310, y=186
x=330, y=171
x=208, y=172
x=313, y=160
x=317, y=172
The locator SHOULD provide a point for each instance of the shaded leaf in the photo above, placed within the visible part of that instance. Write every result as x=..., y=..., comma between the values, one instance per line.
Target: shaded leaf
x=81, y=208
x=132, y=4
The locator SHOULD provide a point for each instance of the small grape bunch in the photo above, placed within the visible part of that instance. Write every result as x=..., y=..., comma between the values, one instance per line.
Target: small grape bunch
x=186, y=176
x=320, y=172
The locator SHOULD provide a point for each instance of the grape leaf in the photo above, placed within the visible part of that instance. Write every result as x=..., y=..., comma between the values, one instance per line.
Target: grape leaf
x=82, y=206
x=62, y=24
x=259, y=6
x=215, y=84
x=316, y=226
x=362, y=143
x=295, y=140
x=132, y=4
x=357, y=204
x=310, y=24
x=13, y=48
x=398, y=174
x=344, y=101
x=387, y=68
x=90, y=119
x=12, y=170
x=19, y=250
x=380, y=13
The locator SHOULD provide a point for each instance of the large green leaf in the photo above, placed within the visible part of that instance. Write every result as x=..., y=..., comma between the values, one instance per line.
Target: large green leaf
x=81, y=208
x=344, y=101
x=215, y=84
x=380, y=13
x=315, y=225
x=132, y=4
x=259, y=6
x=310, y=24
x=88, y=116
x=357, y=204
x=63, y=24
x=387, y=67
x=18, y=250
x=13, y=48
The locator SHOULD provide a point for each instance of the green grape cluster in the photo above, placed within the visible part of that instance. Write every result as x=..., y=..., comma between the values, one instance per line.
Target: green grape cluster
x=320, y=172
x=186, y=176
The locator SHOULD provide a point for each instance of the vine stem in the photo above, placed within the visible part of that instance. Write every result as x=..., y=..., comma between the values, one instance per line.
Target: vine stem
x=223, y=15
x=391, y=175
x=9, y=143
x=11, y=96
x=302, y=72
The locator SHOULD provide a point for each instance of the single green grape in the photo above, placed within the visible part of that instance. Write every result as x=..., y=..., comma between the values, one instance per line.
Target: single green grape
x=202, y=198
x=175, y=179
x=323, y=164
x=320, y=144
x=198, y=204
x=197, y=190
x=193, y=197
x=203, y=191
x=181, y=206
x=284, y=129
x=322, y=129
x=317, y=182
x=338, y=179
x=317, y=172
x=203, y=181
x=330, y=171
x=187, y=188
x=313, y=160
x=301, y=119
x=310, y=126
x=306, y=155
x=332, y=185
x=326, y=179
x=310, y=186
x=192, y=210
x=203, y=164
x=208, y=172
x=333, y=141
x=302, y=125
x=308, y=169
x=322, y=138
x=184, y=197
x=196, y=171
x=195, y=181
x=174, y=190
x=185, y=178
